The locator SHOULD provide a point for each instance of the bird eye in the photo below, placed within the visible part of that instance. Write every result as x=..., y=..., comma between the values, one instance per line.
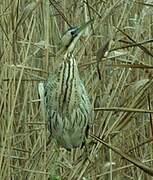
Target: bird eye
x=74, y=31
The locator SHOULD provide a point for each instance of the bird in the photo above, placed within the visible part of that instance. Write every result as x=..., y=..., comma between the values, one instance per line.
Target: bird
x=68, y=107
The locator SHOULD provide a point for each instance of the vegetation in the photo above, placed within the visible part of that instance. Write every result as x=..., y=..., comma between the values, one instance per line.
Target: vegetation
x=115, y=61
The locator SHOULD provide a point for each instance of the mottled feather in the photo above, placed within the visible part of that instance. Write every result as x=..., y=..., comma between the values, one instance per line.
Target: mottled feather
x=68, y=107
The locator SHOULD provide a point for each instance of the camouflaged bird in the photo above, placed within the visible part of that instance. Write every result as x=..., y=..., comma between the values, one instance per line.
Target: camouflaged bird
x=68, y=107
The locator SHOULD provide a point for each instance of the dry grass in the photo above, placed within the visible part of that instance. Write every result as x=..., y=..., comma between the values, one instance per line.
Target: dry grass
x=120, y=86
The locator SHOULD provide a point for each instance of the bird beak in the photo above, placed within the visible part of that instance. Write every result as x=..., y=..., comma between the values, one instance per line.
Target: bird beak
x=84, y=26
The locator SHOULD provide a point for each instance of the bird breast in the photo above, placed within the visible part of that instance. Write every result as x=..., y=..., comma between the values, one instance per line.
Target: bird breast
x=68, y=86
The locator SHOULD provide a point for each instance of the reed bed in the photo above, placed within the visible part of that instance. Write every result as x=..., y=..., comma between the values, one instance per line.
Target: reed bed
x=115, y=61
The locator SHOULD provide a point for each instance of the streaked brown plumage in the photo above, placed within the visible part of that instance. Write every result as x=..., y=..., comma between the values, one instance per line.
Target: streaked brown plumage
x=68, y=107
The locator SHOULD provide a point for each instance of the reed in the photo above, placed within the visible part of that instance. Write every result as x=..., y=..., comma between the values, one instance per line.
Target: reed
x=114, y=59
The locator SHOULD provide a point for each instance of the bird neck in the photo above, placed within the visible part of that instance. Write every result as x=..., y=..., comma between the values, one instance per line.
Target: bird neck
x=68, y=55
x=64, y=53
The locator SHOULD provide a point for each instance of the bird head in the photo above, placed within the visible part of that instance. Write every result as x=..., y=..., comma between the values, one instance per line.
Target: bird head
x=71, y=36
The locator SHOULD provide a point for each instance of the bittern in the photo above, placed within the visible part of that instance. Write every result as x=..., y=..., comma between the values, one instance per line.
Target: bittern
x=67, y=103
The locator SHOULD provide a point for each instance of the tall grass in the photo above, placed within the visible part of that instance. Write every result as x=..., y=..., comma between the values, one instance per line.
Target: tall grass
x=118, y=78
